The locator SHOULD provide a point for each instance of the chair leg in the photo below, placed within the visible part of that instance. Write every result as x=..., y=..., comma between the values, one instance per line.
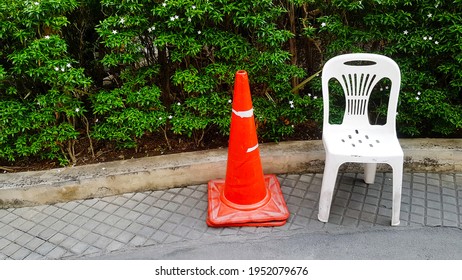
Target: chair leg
x=369, y=172
x=327, y=190
x=397, y=186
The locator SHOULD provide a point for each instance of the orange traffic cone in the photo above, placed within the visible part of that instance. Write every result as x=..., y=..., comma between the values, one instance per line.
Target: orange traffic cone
x=246, y=197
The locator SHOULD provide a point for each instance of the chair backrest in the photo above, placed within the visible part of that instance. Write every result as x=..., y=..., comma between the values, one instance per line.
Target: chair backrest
x=358, y=74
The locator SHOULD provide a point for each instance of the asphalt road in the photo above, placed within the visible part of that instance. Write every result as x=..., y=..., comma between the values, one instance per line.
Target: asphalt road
x=421, y=243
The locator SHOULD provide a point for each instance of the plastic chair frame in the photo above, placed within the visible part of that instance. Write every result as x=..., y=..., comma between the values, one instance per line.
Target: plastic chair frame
x=356, y=139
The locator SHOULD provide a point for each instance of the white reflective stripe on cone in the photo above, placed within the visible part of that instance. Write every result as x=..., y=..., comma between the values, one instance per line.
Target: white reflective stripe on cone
x=244, y=114
x=252, y=148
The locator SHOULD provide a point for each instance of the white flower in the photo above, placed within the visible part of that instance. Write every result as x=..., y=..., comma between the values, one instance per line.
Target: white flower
x=405, y=32
x=193, y=7
x=122, y=20
x=189, y=19
x=164, y=4
x=323, y=24
x=309, y=94
x=229, y=101
x=62, y=69
x=179, y=104
x=429, y=15
x=430, y=38
x=315, y=97
x=177, y=17
x=47, y=37
x=417, y=98
x=425, y=38
x=36, y=3
x=170, y=117
x=436, y=42
x=292, y=106
x=291, y=102
x=68, y=65
x=172, y=18
x=56, y=68
x=114, y=31
x=160, y=118
x=419, y=93
x=381, y=89
x=199, y=32
x=77, y=110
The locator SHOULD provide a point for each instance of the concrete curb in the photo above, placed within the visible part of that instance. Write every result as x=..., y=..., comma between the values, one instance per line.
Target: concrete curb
x=176, y=170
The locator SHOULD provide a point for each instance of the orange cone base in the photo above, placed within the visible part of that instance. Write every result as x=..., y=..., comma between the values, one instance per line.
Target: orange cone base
x=267, y=224
x=274, y=213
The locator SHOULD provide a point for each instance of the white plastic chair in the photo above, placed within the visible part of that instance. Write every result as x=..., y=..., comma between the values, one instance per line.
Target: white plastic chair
x=356, y=139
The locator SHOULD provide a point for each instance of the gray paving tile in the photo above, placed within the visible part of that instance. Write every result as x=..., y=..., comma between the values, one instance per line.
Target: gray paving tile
x=34, y=256
x=382, y=220
x=434, y=197
x=431, y=221
x=137, y=241
x=21, y=240
x=419, y=219
x=449, y=208
x=355, y=205
x=114, y=245
x=10, y=249
x=314, y=196
x=45, y=248
x=124, y=223
x=91, y=250
x=418, y=201
x=450, y=223
x=448, y=216
x=416, y=209
x=47, y=233
x=434, y=204
x=135, y=227
x=36, y=229
x=90, y=238
x=368, y=208
x=113, y=233
x=102, y=242
x=367, y=217
x=125, y=237
x=159, y=236
x=79, y=247
x=434, y=213
x=12, y=234
x=58, y=225
x=20, y=254
x=69, y=206
x=350, y=222
x=58, y=238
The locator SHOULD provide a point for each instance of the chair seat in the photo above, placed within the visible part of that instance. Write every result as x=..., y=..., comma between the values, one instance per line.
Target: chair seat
x=365, y=145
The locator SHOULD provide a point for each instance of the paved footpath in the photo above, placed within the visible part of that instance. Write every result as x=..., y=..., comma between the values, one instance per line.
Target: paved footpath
x=170, y=224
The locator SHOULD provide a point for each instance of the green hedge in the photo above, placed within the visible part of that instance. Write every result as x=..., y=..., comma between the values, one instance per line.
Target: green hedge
x=116, y=71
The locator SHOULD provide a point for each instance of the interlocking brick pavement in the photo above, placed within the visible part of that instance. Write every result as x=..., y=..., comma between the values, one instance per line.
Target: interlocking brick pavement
x=103, y=225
